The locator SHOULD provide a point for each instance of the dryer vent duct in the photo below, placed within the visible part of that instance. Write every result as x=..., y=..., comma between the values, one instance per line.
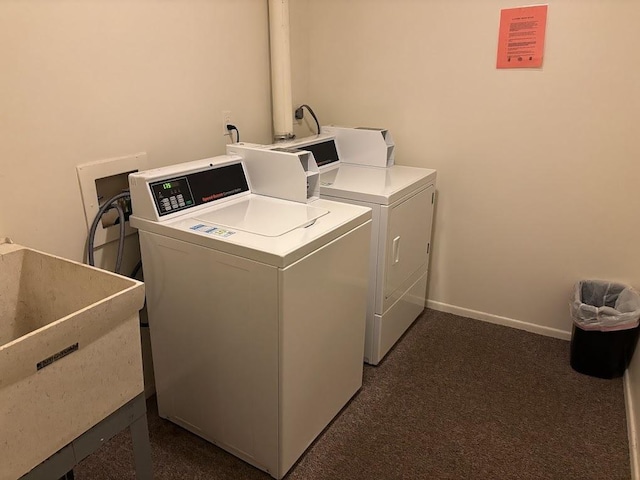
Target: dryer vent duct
x=281, y=103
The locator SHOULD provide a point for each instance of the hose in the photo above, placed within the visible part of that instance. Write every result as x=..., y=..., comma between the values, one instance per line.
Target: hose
x=111, y=203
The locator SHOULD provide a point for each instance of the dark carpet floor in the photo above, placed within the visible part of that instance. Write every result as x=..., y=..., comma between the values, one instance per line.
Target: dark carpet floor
x=455, y=399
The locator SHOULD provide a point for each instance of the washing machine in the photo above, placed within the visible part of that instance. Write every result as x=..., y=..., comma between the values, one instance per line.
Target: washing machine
x=256, y=305
x=357, y=166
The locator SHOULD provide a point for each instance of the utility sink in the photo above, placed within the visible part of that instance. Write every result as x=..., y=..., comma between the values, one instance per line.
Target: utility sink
x=69, y=352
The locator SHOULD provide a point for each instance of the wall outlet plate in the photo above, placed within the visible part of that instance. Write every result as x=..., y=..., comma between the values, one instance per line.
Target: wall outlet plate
x=226, y=119
x=109, y=176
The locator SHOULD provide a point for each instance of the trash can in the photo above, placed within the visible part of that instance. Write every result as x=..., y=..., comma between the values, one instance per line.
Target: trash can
x=605, y=327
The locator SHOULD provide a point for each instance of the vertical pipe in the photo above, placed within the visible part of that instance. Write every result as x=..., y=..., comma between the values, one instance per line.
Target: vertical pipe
x=281, y=102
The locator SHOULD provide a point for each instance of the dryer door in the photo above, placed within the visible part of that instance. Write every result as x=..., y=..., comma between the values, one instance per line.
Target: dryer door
x=406, y=250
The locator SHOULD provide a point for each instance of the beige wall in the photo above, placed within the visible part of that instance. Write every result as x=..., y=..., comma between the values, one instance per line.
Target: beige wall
x=538, y=170
x=84, y=81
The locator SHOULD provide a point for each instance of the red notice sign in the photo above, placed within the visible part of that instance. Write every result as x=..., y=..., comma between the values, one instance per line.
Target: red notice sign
x=521, y=38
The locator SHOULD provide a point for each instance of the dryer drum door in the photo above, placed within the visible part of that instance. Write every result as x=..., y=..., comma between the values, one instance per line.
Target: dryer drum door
x=408, y=236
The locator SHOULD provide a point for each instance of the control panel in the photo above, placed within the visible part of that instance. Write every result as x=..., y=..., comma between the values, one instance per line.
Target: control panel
x=325, y=152
x=172, y=195
x=180, y=193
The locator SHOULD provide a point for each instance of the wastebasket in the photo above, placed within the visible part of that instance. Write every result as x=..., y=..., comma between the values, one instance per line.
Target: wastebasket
x=605, y=327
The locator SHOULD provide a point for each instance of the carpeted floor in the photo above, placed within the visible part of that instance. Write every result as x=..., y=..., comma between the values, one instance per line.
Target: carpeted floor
x=455, y=399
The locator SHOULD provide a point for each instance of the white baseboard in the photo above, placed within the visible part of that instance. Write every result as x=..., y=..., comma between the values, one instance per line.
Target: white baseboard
x=631, y=428
x=507, y=322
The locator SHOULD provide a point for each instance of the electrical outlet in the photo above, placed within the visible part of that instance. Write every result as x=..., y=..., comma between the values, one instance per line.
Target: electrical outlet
x=226, y=119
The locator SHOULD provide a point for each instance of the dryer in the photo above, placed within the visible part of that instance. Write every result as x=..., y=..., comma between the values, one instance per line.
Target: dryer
x=401, y=199
x=357, y=166
x=256, y=306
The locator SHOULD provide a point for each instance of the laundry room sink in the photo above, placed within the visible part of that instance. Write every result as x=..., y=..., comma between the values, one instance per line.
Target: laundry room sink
x=69, y=352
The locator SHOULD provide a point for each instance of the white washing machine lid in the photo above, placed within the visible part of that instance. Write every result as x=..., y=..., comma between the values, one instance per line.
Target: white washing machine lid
x=229, y=232
x=382, y=186
x=262, y=216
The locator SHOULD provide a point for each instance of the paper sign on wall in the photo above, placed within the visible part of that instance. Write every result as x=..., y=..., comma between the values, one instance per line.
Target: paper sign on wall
x=521, y=37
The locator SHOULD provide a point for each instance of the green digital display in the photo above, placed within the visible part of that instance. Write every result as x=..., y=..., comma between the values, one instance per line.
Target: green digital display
x=166, y=186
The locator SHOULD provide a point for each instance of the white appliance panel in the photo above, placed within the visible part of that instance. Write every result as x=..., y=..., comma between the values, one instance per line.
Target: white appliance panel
x=383, y=186
x=407, y=241
x=214, y=345
x=261, y=370
x=395, y=321
x=255, y=214
x=321, y=339
x=398, y=276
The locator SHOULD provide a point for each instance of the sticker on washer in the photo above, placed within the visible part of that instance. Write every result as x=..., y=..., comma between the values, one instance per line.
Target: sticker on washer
x=198, y=226
x=221, y=232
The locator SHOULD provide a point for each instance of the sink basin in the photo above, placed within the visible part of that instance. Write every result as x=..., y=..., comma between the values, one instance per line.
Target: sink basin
x=69, y=352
